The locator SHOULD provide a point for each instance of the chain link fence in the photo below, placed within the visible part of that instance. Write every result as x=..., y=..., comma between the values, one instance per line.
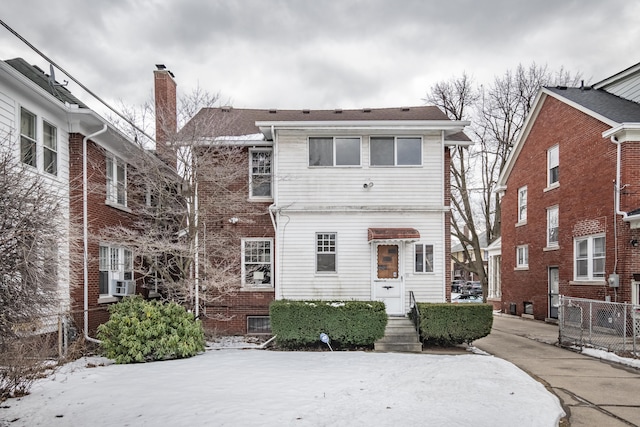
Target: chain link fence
x=609, y=326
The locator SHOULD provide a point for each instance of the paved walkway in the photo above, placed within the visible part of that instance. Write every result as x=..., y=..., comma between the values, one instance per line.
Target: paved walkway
x=592, y=392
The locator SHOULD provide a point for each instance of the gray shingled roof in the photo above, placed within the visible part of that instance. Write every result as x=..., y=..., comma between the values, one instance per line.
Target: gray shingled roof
x=38, y=76
x=613, y=107
x=229, y=121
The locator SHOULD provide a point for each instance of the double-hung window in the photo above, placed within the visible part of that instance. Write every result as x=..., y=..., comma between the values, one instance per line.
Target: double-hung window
x=522, y=204
x=257, y=262
x=589, y=257
x=552, y=226
x=326, y=253
x=116, y=264
x=522, y=256
x=50, y=148
x=334, y=151
x=553, y=165
x=116, y=180
x=395, y=151
x=28, y=141
x=423, y=258
x=261, y=170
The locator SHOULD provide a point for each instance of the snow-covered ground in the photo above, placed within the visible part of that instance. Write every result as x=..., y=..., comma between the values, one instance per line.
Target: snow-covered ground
x=250, y=387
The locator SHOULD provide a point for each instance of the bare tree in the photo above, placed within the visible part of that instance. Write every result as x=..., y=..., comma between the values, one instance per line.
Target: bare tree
x=181, y=234
x=497, y=113
x=32, y=230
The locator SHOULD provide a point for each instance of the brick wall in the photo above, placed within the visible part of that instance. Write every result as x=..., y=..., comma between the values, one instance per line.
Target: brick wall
x=585, y=199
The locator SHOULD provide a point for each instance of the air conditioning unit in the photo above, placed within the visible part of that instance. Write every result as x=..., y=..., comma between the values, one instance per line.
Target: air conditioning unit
x=120, y=288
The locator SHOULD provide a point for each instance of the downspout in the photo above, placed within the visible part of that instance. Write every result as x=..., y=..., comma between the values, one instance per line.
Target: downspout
x=273, y=211
x=85, y=233
x=618, y=174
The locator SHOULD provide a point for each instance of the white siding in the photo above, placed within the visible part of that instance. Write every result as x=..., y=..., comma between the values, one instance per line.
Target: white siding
x=628, y=88
x=301, y=186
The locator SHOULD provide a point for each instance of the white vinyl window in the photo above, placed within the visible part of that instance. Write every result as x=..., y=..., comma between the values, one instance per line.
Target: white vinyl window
x=116, y=180
x=257, y=262
x=522, y=204
x=261, y=173
x=50, y=148
x=28, y=141
x=552, y=226
x=553, y=165
x=330, y=151
x=326, y=251
x=589, y=258
x=116, y=264
x=395, y=151
x=522, y=256
x=423, y=258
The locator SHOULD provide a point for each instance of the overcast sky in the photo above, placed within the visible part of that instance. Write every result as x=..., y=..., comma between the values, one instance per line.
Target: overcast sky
x=316, y=54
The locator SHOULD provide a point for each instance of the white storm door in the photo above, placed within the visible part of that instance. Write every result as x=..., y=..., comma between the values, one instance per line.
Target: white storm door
x=388, y=281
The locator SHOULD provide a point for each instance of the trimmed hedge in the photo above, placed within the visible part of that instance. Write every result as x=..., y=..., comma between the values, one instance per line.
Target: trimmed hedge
x=142, y=331
x=452, y=324
x=348, y=324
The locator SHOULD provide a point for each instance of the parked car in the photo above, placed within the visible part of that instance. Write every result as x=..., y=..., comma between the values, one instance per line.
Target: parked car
x=464, y=298
x=474, y=288
x=456, y=285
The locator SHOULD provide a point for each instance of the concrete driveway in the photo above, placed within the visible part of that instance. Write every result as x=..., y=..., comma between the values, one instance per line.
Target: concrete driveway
x=593, y=392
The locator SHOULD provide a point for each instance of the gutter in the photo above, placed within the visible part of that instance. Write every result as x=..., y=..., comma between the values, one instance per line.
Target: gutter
x=85, y=233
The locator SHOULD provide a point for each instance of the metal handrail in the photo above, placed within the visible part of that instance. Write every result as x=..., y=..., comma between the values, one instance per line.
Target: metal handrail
x=415, y=312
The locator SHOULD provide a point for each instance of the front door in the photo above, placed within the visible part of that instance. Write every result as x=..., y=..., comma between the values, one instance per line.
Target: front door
x=388, y=283
x=554, y=292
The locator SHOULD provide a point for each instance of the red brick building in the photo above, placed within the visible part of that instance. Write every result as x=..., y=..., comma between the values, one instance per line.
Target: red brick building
x=571, y=194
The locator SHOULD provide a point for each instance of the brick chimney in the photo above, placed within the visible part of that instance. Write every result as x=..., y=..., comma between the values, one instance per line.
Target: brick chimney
x=166, y=114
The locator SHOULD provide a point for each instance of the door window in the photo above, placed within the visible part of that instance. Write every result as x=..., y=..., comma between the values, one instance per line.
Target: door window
x=387, y=261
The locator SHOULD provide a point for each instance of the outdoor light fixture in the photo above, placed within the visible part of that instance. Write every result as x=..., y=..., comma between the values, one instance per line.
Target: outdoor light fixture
x=367, y=185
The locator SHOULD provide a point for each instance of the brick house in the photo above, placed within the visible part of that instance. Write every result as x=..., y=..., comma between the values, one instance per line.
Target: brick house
x=354, y=204
x=573, y=232
x=83, y=157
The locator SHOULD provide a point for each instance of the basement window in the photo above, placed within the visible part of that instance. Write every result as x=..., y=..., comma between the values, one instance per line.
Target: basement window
x=258, y=325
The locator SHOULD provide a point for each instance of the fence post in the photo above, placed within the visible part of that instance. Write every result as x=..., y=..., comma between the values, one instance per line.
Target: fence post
x=624, y=325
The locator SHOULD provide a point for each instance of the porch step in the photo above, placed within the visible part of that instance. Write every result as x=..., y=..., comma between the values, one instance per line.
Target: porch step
x=399, y=336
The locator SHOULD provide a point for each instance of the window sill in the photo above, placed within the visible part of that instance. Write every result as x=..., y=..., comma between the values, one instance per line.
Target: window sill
x=106, y=299
x=550, y=248
x=117, y=206
x=523, y=268
x=154, y=294
x=551, y=187
x=588, y=282
x=249, y=288
x=521, y=223
x=261, y=199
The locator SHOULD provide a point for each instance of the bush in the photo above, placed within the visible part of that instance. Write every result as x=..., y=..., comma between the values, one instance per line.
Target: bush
x=453, y=324
x=348, y=324
x=143, y=331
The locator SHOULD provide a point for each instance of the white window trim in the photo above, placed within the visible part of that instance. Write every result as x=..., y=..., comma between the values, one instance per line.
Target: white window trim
x=33, y=140
x=111, y=189
x=114, y=274
x=395, y=151
x=333, y=146
x=549, y=211
x=335, y=253
x=522, y=218
x=590, y=278
x=424, y=263
x=252, y=286
x=51, y=149
x=259, y=150
x=551, y=185
x=523, y=266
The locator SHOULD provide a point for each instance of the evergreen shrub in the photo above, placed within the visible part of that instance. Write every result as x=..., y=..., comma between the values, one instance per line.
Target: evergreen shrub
x=349, y=324
x=452, y=324
x=142, y=331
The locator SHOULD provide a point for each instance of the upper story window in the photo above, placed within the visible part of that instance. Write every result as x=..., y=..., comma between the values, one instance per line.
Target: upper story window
x=257, y=262
x=522, y=256
x=326, y=251
x=395, y=151
x=589, y=257
x=261, y=173
x=423, y=258
x=330, y=151
x=552, y=226
x=553, y=165
x=116, y=180
x=50, y=148
x=28, y=141
x=522, y=204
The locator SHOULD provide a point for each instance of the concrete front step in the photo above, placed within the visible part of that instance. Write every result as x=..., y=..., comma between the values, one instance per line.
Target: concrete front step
x=399, y=336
